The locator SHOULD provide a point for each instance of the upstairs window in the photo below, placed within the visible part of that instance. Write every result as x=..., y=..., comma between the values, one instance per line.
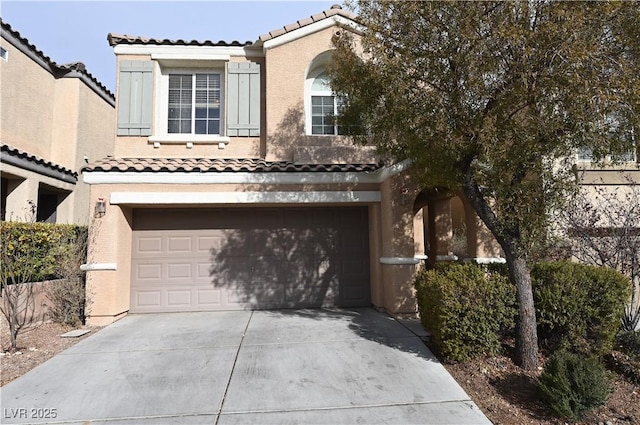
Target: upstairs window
x=325, y=106
x=194, y=103
x=182, y=101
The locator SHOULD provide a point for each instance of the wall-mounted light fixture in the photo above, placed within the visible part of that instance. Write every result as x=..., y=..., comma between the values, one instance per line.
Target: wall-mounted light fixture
x=405, y=197
x=101, y=208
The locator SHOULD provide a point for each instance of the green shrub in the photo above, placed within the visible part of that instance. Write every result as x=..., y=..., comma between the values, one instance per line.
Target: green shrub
x=578, y=306
x=628, y=342
x=626, y=359
x=571, y=385
x=32, y=248
x=466, y=309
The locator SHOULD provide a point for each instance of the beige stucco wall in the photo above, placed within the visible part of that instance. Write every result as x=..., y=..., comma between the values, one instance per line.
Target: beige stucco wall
x=26, y=103
x=397, y=241
x=110, y=243
x=60, y=120
x=140, y=147
x=287, y=66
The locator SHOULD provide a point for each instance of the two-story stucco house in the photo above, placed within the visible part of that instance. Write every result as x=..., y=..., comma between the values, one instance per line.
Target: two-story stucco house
x=231, y=188
x=53, y=119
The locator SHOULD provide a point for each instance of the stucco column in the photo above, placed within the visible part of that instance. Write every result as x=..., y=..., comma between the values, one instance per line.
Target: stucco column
x=397, y=261
x=19, y=193
x=440, y=227
x=109, y=262
x=480, y=241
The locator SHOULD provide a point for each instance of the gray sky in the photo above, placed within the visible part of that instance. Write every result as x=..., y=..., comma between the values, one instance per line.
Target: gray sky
x=76, y=31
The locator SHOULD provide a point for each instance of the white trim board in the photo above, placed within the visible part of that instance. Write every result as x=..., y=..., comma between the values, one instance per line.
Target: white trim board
x=187, y=52
x=98, y=266
x=313, y=28
x=206, y=198
x=400, y=261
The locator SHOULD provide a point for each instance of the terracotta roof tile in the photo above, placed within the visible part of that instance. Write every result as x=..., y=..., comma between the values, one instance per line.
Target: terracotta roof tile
x=115, y=39
x=334, y=10
x=208, y=165
x=15, y=152
x=305, y=22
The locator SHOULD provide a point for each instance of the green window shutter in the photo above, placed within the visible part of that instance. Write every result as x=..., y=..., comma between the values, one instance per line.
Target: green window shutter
x=243, y=99
x=135, y=98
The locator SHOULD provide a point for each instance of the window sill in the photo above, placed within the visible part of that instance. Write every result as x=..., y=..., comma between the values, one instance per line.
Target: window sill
x=189, y=140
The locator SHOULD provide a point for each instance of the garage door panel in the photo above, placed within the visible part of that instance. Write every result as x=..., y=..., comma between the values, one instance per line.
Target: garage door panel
x=180, y=271
x=217, y=259
x=147, y=299
x=353, y=294
x=179, y=244
x=179, y=298
x=147, y=271
x=354, y=268
x=148, y=245
x=206, y=244
x=211, y=298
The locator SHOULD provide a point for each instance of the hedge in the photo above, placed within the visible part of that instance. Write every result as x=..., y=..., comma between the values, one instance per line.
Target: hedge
x=578, y=306
x=469, y=308
x=32, y=248
x=466, y=309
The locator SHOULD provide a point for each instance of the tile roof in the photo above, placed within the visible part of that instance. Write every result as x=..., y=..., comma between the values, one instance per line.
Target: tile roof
x=17, y=153
x=115, y=39
x=55, y=69
x=204, y=165
x=336, y=9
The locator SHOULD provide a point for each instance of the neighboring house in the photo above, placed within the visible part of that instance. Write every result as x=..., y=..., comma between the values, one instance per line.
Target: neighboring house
x=230, y=186
x=53, y=119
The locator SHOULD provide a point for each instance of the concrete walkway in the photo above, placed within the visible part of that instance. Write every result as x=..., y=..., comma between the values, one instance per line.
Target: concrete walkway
x=242, y=367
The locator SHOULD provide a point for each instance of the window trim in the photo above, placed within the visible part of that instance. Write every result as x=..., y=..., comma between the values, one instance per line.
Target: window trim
x=160, y=133
x=4, y=54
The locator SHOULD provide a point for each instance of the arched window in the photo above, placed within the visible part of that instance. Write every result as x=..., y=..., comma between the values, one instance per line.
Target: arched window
x=325, y=106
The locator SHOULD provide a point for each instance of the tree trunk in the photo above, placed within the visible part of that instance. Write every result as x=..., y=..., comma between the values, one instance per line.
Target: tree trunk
x=526, y=327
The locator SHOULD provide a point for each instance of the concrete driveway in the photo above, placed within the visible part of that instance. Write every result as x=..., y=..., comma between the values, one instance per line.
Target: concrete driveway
x=243, y=367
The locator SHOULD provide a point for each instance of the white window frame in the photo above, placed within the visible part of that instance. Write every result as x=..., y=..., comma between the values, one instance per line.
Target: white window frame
x=4, y=54
x=161, y=111
x=334, y=126
x=309, y=93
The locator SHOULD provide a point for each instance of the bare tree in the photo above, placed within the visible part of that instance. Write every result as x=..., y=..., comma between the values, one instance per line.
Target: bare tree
x=602, y=225
x=18, y=293
x=67, y=296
